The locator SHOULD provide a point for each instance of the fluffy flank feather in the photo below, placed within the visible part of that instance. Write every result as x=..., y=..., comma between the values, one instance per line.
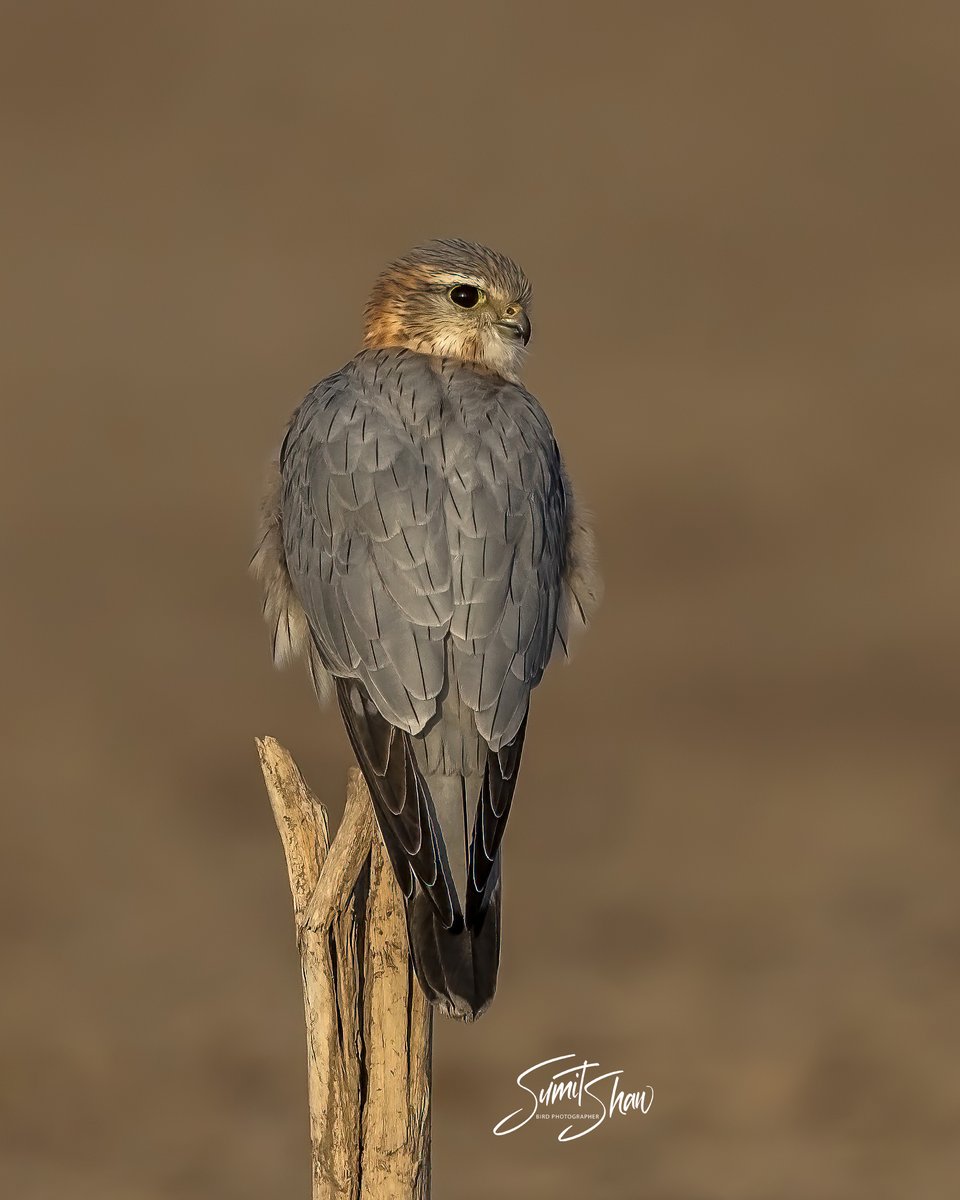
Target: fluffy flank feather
x=289, y=633
x=582, y=585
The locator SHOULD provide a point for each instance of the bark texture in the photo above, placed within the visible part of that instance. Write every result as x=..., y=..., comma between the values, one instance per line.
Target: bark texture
x=369, y=1026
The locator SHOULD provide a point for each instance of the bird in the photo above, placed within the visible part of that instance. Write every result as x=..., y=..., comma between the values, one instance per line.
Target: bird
x=421, y=548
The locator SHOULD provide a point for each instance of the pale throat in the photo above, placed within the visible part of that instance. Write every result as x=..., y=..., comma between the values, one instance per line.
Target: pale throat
x=484, y=347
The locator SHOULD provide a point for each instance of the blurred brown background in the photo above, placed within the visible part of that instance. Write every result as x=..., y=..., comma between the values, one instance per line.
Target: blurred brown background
x=732, y=868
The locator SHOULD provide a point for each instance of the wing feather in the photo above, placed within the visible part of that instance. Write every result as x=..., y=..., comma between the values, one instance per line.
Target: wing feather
x=373, y=586
x=424, y=516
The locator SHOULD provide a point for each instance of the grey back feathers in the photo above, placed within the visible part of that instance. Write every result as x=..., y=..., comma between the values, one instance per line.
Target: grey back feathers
x=421, y=499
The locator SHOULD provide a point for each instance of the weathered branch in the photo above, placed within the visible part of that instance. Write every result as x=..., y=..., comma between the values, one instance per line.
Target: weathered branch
x=369, y=1026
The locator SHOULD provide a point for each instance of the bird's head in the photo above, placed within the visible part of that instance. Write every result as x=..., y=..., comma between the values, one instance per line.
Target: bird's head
x=455, y=299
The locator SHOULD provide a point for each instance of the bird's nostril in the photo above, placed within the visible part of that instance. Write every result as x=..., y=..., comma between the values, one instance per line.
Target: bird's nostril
x=511, y=310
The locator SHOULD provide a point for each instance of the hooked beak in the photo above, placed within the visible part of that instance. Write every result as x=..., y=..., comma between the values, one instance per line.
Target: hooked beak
x=517, y=326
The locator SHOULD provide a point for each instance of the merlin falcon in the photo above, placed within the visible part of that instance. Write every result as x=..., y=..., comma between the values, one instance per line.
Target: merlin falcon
x=422, y=550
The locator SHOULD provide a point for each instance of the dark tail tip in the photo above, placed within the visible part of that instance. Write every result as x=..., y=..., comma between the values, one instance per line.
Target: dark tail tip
x=457, y=971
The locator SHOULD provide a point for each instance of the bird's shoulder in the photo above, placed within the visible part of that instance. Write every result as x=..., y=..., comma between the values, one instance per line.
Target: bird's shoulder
x=407, y=389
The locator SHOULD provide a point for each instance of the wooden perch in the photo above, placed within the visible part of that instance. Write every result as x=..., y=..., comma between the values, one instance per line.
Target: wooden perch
x=369, y=1026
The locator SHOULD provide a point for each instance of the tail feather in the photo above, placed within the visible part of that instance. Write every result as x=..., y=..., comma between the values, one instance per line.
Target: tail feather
x=442, y=831
x=457, y=970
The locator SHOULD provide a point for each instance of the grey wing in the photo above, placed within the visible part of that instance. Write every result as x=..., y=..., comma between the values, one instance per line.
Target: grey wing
x=405, y=528
x=366, y=548
x=365, y=542
x=507, y=506
x=507, y=516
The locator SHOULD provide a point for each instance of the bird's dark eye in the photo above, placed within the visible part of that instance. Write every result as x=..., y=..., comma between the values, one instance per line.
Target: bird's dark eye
x=465, y=295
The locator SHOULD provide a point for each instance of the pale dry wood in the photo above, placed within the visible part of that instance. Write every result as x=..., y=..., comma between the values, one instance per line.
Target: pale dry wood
x=369, y=1031
x=396, y=1131
x=346, y=857
x=301, y=820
